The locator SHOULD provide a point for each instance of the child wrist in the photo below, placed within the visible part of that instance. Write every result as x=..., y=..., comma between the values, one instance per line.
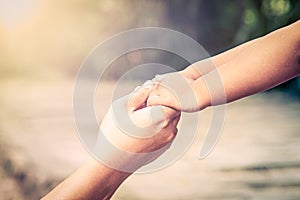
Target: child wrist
x=202, y=94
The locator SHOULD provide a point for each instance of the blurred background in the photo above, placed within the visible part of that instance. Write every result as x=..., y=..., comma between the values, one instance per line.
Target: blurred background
x=42, y=44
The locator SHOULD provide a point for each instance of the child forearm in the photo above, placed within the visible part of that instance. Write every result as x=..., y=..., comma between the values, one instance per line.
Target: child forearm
x=193, y=71
x=274, y=59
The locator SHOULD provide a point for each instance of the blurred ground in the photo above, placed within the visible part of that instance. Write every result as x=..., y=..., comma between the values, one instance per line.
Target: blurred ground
x=257, y=156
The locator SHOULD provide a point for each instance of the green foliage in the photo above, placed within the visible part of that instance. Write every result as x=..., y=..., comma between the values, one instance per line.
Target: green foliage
x=264, y=16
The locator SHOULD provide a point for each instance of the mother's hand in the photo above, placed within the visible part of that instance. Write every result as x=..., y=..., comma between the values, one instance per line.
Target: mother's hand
x=132, y=135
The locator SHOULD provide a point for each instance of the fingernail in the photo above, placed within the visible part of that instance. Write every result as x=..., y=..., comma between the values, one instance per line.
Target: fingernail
x=148, y=84
x=138, y=87
x=159, y=77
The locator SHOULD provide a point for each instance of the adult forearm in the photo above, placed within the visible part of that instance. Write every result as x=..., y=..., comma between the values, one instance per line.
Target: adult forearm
x=91, y=181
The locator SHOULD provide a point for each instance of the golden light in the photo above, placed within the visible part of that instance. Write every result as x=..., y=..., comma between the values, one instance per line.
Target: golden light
x=14, y=13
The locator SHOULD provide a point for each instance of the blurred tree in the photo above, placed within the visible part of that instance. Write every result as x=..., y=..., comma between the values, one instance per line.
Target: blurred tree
x=212, y=23
x=263, y=16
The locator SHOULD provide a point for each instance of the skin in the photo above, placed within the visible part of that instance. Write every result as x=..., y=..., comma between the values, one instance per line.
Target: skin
x=95, y=180
x=250, y=68
x=247, y=69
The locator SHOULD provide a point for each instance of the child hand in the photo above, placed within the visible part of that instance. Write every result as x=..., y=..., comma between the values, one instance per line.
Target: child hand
x=173, y=90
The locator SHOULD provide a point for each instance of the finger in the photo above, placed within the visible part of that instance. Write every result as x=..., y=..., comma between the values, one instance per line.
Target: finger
x=154, y=115
x=144, y=117
x=159, y=77
x=169, y=113
x=154, y=100
x=139, y=96
x=173, y=124
x=176, y=119
x=153, y=118
x=162, y=116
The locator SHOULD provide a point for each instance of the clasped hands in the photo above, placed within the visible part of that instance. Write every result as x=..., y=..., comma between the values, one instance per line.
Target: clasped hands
x=141, y=126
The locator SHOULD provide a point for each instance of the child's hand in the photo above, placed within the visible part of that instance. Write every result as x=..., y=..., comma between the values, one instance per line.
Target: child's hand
x=175, y=91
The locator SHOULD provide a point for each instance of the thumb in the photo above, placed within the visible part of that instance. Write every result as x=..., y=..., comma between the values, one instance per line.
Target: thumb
x=153, y=116
x=149, y=116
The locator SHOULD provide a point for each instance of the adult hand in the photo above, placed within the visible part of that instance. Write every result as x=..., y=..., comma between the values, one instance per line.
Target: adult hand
x=121, y=147
x=132, y=135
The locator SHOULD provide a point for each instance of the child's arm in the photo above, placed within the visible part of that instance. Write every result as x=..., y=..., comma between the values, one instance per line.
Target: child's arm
x=263, y=64
x=217, y=60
